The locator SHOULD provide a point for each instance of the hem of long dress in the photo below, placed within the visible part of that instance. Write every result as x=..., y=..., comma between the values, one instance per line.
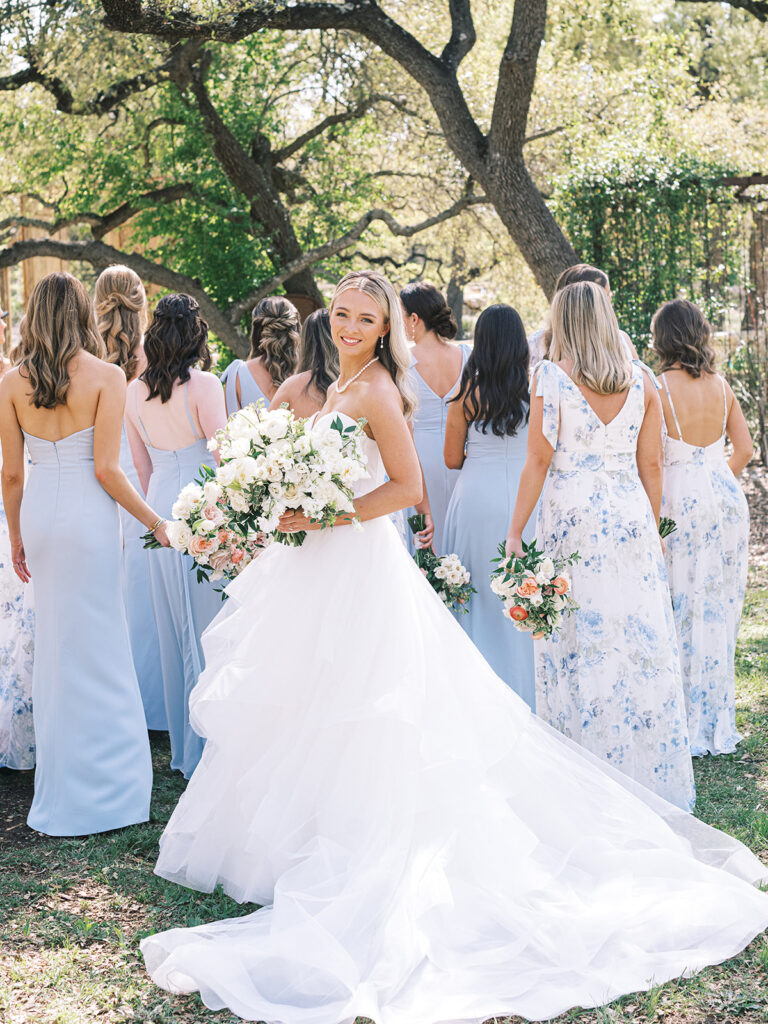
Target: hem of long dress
x=715, y=749
x=139, y=818
x=7, y=763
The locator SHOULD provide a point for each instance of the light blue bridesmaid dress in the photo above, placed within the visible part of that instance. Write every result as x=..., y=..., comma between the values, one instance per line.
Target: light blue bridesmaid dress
x=429, y=436
x=250, y=392
x=142, y=627
x=93, y=763
x=183, y=607
x=478, y=518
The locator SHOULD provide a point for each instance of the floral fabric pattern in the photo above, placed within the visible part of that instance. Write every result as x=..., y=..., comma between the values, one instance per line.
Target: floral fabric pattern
x=610, y=680
x=17, y=646
x=707, y=564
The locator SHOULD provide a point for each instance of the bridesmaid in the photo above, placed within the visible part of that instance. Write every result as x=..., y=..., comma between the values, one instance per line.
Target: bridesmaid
x=435, y=373
x=93, y=762
x=317, y=368
x=707, y=555
x=489, y=416
x=172, y=410
x=610, y=679
x=17, y=645
x=274, y=337
x=121, y=315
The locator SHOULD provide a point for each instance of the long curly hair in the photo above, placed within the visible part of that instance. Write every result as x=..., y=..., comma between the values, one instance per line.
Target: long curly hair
x=58, y=323
x=121, y=316
x=176, y=341
x=395, y=354
x=275, y=331
x=682, y=334
x=494, y=384
x=317, y=352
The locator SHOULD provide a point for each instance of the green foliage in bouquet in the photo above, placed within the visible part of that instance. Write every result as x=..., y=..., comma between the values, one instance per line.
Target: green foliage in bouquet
x=445, y=574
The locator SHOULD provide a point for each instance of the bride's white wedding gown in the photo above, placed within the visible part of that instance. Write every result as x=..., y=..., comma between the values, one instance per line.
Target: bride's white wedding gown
x=426, y=849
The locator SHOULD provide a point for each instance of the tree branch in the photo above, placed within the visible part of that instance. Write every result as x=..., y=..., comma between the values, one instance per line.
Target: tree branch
x=353, y=114
x=758, y=8
x=100, y=255
x=517, y=75
x=463, y=36
x=104, y=100
x=322, y=252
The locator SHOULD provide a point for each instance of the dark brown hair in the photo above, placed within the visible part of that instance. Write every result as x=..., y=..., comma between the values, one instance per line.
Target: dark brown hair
x=58, y=323
x=581, y=272
x=317, y=352
x=275, y=336
x=682, y=334
x=176, y=341
x=430, y=306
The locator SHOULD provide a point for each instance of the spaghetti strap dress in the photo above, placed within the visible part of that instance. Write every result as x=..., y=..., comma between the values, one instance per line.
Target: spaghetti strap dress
x=250, y=392
x=183, y=606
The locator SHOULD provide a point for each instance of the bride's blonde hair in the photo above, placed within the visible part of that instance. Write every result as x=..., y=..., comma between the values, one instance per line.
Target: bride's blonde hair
x=121, y=315
x=395, y=354
x=586, y=333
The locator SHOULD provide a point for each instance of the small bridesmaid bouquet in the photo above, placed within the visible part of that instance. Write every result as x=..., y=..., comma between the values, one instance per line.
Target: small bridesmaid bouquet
x=535, y=590
x=445, y=574
x=666, y=526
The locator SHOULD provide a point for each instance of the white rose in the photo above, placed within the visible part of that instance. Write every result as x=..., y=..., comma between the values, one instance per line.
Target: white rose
x=179, y=534
x=212, y=491
x=547, y=569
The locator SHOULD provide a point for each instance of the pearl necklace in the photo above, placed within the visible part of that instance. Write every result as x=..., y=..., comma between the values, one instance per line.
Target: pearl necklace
x=341, y=388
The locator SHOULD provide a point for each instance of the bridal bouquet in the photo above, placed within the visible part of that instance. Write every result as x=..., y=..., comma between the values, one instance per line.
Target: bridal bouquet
x=445, y=574
x=271, y=462
x=534, y=589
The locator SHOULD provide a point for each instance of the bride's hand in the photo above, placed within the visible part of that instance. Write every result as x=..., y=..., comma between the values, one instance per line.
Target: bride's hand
x=296, y=522
x=514, y=546
x=19, y=560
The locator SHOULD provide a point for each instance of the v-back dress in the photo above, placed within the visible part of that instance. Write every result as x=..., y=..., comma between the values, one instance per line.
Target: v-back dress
x=425, y=848
x=250, y=392
x=93, y=769
x=707, y=560
x=429, y=436
x=183, y=606
x=610, y=680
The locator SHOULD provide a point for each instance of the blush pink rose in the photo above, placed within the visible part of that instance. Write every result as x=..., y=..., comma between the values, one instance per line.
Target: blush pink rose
x=200, y=545
x=213, y=514
x=528, y=587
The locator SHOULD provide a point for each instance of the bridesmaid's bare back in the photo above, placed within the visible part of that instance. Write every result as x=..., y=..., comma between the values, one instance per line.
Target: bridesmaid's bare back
x=699, y=406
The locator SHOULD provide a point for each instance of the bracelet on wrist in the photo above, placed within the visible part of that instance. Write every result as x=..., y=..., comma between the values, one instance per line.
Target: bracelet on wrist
x=156, y=525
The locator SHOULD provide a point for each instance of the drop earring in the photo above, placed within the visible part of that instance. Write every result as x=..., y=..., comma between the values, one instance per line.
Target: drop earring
x=381, y=343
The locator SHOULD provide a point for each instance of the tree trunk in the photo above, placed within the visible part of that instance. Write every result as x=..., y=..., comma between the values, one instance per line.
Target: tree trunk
x=527, y=218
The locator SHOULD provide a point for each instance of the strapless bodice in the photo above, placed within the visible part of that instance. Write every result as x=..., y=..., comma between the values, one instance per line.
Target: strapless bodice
x=70, y=450
x=377, y=473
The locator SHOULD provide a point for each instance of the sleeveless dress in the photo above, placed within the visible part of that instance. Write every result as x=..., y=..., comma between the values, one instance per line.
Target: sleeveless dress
x=429, y=436
x=610, y=680
x=182, y=606
x=17, y=650
x=707, y=560
x=426, y=849
x=250, y=392
x=142, y=627
x=479, y=515
x=93, y=768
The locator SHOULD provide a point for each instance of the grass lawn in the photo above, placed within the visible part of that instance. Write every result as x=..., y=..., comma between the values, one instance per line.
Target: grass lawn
x=72, y=911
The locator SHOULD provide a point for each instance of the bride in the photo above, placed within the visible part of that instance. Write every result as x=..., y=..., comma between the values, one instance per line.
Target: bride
x=424, y=848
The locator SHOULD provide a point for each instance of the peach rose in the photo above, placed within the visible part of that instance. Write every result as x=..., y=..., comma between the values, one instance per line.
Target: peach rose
x=518, y=614
x=199, y=545
x=224, y=536
x=237, y=556
x=560, y=583
x=528, y=587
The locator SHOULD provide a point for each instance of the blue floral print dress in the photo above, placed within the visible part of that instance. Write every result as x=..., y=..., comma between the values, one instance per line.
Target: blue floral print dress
x=707, y=565
x=610, y=680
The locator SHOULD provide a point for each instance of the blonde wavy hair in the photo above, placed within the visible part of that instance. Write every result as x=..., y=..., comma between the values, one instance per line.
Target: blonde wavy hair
x=58, y=323
x=395, y=355
x=121, y=316
x=586, y=333
x=275, y=333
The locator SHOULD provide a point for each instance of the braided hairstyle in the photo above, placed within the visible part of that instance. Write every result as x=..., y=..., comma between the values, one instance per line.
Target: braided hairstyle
x=275, y=336
x=176, y=341
x=121, y=315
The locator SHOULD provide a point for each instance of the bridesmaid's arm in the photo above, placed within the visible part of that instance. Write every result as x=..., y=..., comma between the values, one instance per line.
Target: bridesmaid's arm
x=12, y=440
x=537, y=459
x=737, y=430
x=210, y=405
x=425, y=536
x=650, y=453
x=108, y=427
x=141, y=457
x=455, y=434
